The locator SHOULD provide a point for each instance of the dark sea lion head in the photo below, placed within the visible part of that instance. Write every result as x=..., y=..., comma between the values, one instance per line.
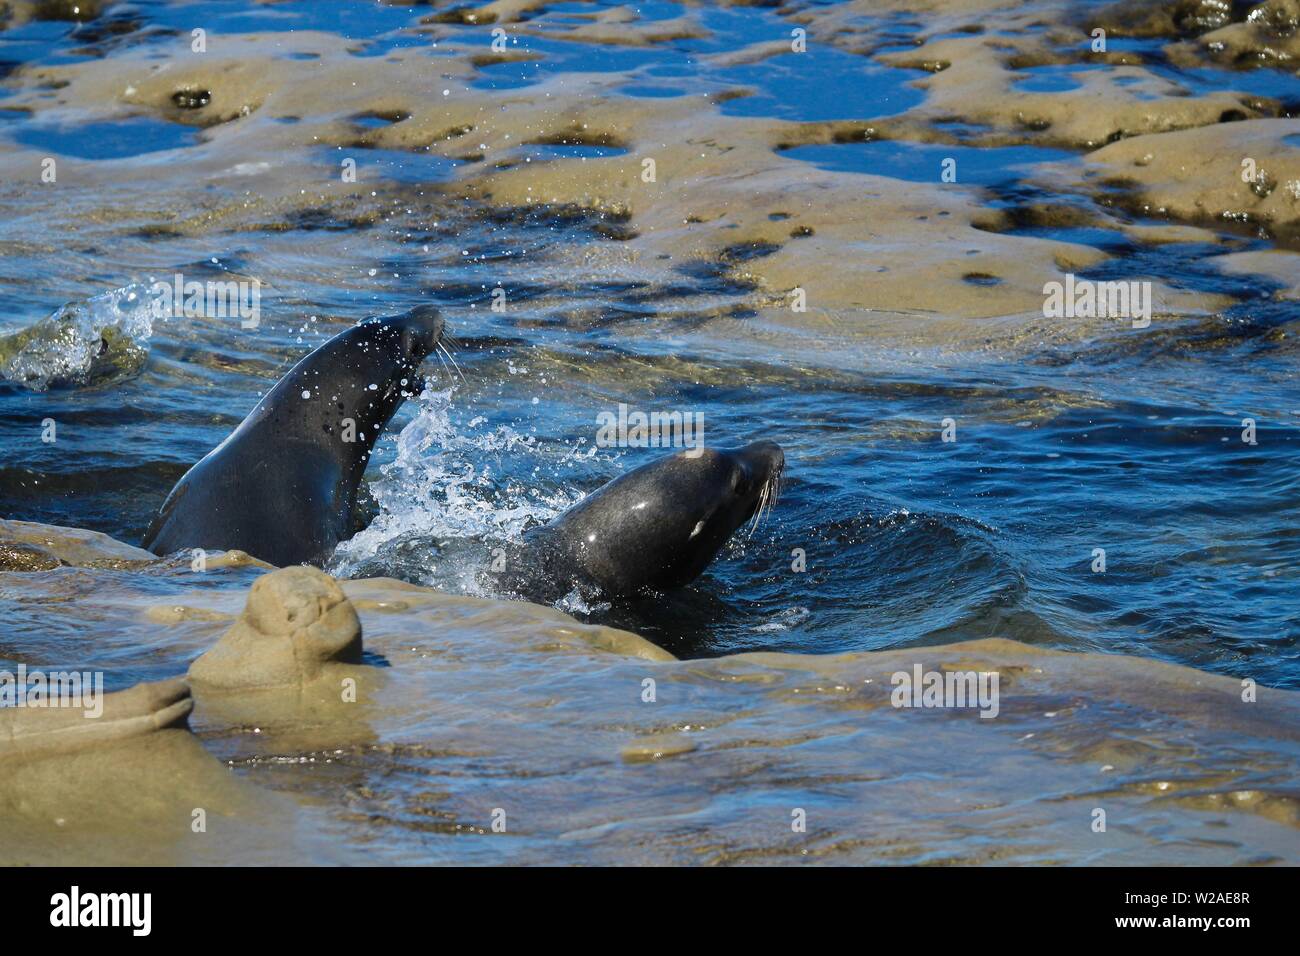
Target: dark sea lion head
x=380, y=359
x=661, y=525
x=346, y=391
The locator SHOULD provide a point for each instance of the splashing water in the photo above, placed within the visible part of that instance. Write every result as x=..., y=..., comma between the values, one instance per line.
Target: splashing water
x=784, y=620
x=448, y=499
x=96, y=342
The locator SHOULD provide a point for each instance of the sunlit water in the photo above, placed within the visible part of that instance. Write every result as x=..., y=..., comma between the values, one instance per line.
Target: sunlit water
x=1132, y=444
x=1097, y=495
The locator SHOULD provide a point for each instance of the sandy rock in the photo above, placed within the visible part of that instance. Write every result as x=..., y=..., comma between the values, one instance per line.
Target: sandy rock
x=725, y=193
x=20, y=556
x=40, y=731
x=1267, y=36
x=1279, y=265
x=297, y=623
x=973, y=79
x=528, y=626
x=29, y=546
x=656, y=747
x=86, y=788
x=1204, y=175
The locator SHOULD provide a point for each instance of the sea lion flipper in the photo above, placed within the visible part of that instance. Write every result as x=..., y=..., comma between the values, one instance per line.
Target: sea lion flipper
x=160, y=519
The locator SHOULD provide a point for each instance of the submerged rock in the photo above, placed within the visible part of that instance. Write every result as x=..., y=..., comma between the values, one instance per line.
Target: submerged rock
x=97, y=342
x=20, y=556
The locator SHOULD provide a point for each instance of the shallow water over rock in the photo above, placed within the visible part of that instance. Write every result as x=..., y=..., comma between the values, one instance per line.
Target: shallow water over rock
x=1173, y=448
x=486, y=731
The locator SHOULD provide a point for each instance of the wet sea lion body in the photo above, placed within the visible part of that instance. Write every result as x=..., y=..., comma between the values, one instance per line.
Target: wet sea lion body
x=654, y=528
x=283, y=485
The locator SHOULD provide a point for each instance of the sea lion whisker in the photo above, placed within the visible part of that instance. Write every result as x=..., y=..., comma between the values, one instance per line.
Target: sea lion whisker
x=749, y=529
x=447, y=352
x=758, y=512
x=771, y=493
x=443, y=362
x=753, y=522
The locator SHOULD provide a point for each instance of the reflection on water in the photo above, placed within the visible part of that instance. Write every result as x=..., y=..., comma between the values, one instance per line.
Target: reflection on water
x=1128, y=443
x=909, y=539
x=921, y=163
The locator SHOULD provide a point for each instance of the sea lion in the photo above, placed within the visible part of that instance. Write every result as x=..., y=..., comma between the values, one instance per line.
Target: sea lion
x=283, y=485
x=654, y=528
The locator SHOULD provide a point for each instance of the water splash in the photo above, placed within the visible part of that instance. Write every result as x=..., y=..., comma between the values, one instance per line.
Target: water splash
x=784, y=620
x=581, y=607
x=96, y=342
x=449, y=497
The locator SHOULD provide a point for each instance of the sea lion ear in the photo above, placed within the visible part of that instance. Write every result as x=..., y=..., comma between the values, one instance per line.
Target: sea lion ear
x=739, y=474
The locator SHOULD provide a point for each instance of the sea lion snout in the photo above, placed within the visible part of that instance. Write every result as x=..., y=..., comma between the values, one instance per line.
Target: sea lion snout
x=421, y=330
x=762, y=462
x=763, y=458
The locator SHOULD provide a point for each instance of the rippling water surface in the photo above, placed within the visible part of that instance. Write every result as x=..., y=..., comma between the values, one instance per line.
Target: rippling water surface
x=951, y=474
x=1131, y=444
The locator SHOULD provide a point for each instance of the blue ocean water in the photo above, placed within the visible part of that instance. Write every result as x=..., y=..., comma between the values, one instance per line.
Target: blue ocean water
x=1133, y=443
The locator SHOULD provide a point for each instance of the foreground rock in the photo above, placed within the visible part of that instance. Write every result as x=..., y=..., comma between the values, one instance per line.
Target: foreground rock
x=590, y=745
x=297, y=624
x=29, y=546
x=31, y=732
x=130, y=783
